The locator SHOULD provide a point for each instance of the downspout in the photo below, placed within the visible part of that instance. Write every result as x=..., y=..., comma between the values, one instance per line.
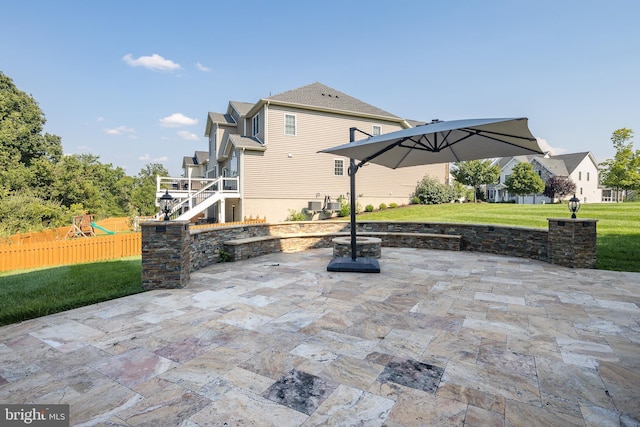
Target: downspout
x=266, y=122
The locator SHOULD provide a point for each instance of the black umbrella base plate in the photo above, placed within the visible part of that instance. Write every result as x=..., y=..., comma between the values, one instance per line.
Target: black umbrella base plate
x=359, y=265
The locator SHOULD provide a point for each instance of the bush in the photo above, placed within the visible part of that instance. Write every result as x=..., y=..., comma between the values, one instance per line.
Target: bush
x=345, y=209
x=393, y=205
x=368, y=208
x=382, y=206
x=415, y=200
x=294, y=215
x=431, y=192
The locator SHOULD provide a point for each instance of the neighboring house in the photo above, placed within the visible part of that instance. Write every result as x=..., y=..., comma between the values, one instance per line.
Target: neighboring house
x=264, y=157
x=581, y=168
x=196, y=166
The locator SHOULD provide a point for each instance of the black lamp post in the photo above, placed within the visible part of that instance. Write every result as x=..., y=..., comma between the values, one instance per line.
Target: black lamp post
x=165, y=204
x=574, y=205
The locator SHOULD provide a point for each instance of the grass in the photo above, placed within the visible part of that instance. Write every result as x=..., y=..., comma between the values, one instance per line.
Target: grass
x=29, y=294
x=34, y=293
x=618, y=228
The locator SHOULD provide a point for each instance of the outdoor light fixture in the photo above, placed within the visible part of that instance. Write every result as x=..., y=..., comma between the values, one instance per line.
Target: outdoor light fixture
x=574, y=205
x=165, y=204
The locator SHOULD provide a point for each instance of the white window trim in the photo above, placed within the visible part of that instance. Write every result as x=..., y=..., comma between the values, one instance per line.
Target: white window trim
x=334, y=167
x=295, y=124
x=373, y=130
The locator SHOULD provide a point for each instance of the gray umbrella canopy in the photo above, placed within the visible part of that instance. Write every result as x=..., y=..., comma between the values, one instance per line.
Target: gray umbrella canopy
x=436, y=142
x=444, y=142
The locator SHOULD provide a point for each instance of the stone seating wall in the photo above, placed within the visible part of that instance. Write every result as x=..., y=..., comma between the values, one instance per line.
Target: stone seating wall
x=568, y=242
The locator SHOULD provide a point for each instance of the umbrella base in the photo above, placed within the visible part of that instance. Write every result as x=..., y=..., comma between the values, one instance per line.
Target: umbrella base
x=359, y=265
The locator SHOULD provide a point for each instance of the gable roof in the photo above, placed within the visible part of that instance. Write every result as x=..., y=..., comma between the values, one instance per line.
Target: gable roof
x=241, y=107
x=320, y=97
x=199, y=158
x=224, y=119
x=553, y=165
x=244, y=142
x=574, y=159
x=562, y=164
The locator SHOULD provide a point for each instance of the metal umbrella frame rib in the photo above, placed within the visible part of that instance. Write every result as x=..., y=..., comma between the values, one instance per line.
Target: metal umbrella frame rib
x=478, y=139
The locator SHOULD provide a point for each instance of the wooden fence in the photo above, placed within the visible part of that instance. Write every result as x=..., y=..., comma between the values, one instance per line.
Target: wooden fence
x=72, y=251
x=49, y=248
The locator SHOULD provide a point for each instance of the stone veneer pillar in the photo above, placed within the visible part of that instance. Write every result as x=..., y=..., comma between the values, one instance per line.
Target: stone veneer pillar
x=165, y=254
x=572, y=242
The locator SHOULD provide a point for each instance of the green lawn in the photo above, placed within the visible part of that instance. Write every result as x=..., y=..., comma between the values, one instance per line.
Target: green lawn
x=29, y=294
x=34, y=293
x=618, y=227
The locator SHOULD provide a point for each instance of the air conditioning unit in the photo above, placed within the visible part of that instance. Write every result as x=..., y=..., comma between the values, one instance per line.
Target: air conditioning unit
x=333, y=206
x=314, y=206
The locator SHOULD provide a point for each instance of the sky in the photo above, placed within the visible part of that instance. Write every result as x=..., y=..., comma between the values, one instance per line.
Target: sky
x=132, y=81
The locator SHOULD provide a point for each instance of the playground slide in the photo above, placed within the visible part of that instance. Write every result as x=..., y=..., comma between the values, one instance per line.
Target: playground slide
x=94, y=225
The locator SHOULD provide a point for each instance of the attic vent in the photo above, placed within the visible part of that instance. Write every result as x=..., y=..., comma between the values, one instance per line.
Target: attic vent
x=330, y=96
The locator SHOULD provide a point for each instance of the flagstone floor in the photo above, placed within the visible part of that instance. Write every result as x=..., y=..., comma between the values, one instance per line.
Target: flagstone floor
x=437, y=338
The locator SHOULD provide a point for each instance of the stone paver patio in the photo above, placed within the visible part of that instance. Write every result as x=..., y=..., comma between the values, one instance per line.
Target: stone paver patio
x=437, y=338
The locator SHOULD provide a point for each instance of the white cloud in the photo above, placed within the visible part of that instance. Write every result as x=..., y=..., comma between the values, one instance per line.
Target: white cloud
x=120, y=130
x=546, y=147
x=202, y=67
x=185, y=134
x=146, y=157
x=176, y=120
x=154, y=62
x=100, y=119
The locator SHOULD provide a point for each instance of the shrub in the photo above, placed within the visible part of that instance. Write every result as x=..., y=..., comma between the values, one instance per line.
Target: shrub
x=393, y=205
x=368, y=208
x=382, y=206
x=431, y=192
x=345, y=209
x=294, y=215
x=415, y=200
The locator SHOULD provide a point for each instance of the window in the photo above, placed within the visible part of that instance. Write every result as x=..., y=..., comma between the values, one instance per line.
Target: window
x=255, y=122
x=376, y=130
x=338, y=167
x=587, y=176
x=580, y=190
x=579, y=176
x=213, y=144
x=289, y=124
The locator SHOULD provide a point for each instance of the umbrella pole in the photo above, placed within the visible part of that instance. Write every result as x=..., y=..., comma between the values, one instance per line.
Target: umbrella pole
x=352, y=177
x=364, y=264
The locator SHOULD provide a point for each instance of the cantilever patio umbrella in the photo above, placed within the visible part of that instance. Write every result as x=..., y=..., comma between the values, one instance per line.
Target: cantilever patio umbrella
x=435, y=142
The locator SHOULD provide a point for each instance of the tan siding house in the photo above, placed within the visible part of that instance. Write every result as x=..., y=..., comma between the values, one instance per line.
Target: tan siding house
x=272, y=147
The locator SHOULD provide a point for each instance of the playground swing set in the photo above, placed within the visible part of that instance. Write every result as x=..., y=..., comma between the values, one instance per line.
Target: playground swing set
x=83, y=226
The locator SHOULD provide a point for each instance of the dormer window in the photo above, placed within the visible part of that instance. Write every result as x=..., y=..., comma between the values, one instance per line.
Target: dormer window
x=255, y=124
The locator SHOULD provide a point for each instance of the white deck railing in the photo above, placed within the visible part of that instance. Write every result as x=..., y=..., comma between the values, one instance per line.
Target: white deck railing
x=188, y=193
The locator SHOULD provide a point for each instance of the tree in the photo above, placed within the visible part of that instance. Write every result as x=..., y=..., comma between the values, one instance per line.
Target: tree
x=39, y=187
x=559, y=186
x=476, y=173
x=143, y=193
x=523, y=180
x=623, y=171
x=21, y=125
